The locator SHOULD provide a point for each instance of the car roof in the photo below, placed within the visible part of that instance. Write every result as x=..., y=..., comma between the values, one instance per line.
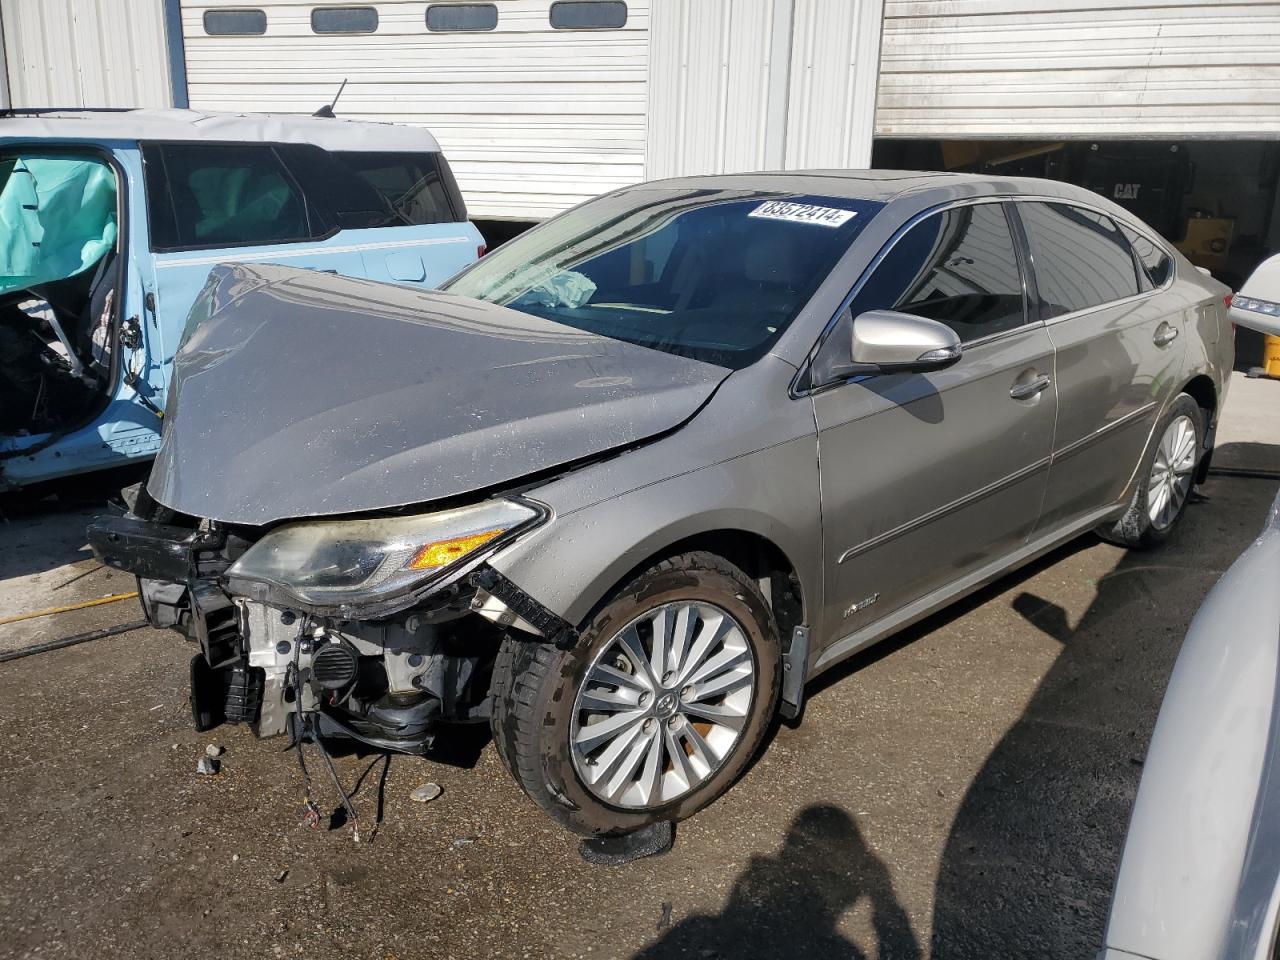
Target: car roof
x=886, y=185
x=330, y=133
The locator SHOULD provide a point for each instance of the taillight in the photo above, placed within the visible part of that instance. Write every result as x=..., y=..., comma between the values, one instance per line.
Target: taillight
x=1226, y=301
x=482, y=250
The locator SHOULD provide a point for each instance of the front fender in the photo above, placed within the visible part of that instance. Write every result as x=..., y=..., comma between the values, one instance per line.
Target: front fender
x=574, y=562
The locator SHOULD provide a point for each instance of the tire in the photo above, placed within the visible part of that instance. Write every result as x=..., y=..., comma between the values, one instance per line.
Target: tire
x=543, y=699
x=1137, y=529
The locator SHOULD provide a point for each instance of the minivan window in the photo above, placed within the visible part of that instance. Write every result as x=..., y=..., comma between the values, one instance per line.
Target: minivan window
x=1155, y=262
x=958, y=267
x=411, y=184
x=221, y=195
x=713, y=274
x=1080, y=257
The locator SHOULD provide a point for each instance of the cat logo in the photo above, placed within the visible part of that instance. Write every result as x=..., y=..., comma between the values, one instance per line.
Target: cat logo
x=1127, y=191
x=860, y=605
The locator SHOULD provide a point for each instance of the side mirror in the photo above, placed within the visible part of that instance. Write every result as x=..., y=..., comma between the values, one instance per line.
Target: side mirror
x=886, y=341
x=1257, y=305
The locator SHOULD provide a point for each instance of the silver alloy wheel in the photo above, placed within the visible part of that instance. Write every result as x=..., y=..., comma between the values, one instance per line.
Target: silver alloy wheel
x=662, y=705
x=1170, y=479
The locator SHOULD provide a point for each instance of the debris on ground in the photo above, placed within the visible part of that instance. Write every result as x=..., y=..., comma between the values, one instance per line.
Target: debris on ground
x=207, y=767
x=281, y=875
x=664, y=918
x=214, y=750
x=427, y=792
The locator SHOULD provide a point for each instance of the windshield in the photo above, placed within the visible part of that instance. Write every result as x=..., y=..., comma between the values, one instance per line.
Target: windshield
x=716, y=275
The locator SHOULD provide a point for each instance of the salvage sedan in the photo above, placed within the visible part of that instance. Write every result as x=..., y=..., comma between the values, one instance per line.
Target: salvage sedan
x=629, y=481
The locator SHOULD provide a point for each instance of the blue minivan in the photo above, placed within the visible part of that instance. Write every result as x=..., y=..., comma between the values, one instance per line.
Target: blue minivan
x=110, y=222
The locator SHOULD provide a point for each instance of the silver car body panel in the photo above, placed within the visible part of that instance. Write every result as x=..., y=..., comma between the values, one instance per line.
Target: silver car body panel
x=1200, y=874
x=308, y=394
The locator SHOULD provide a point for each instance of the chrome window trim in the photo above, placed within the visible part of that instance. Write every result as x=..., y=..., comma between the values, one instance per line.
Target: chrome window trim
x=794, y=389
x=1108, y=304
x=796, y=392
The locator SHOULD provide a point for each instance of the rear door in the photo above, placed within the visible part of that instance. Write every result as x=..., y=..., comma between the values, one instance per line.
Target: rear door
x=211, y=203
x=421, y=236
x=928, y=478
x=1118, y=351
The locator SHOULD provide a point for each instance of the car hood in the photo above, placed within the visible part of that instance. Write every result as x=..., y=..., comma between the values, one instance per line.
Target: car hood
x=297, y=394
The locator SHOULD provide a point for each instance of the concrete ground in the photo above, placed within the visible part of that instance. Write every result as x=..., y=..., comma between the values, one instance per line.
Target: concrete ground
x=958, y=792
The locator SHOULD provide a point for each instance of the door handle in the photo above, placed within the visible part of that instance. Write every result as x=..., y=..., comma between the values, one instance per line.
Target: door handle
x=1025, y=391
x=1165, y=334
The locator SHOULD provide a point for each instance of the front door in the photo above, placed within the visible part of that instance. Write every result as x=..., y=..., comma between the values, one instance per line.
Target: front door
x=929, y=477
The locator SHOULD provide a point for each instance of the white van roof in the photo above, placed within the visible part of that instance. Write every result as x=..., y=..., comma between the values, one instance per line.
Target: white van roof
x=331, y=133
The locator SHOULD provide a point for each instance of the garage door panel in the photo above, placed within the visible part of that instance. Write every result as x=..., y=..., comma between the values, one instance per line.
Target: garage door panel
x=1031, y=69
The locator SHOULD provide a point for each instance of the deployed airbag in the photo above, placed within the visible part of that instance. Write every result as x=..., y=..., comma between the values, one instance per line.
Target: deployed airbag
x=57, y=218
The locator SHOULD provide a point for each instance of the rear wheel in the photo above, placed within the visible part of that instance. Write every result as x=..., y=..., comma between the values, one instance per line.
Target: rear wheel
x=657, y=710
x=1165, y=479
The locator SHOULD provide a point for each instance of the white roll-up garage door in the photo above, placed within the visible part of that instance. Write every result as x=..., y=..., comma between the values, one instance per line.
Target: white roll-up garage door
x=1045, y=69
x=532, y=119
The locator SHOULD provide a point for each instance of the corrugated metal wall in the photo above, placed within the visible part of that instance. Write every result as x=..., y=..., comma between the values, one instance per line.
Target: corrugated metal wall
x=1089, y=68
x=90, y=53
x=532, y=119
x=739, y=85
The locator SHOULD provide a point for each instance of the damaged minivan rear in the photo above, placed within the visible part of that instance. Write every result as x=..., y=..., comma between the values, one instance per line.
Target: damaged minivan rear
x=620, y=487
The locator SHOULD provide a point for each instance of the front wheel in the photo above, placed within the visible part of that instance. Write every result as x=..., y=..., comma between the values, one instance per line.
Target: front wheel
x=657, y=710
x=1165, y=479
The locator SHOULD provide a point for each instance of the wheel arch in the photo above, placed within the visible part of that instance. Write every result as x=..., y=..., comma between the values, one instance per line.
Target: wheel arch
x=755, y=554
x=1204, y=392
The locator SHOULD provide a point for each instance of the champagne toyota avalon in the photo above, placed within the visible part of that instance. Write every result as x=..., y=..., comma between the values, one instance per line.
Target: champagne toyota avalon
x=625, y=484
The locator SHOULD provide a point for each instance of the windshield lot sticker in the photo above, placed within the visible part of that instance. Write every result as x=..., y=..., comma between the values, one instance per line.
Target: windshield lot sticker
x=802, y=213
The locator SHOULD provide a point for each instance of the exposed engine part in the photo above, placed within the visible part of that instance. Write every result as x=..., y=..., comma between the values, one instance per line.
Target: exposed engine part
x=244, y=694
x=229, y=694
x=334, y=664
x=387, y=682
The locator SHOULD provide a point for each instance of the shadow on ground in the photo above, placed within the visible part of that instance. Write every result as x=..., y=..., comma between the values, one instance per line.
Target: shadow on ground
x=790, y=904
x=1029, y=864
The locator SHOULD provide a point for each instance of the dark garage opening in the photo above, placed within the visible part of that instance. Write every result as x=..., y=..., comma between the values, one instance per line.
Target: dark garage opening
x=1214, y=200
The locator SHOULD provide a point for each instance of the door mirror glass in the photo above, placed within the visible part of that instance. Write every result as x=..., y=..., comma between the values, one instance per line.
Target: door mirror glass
x=886, y=341
x=1257, y=305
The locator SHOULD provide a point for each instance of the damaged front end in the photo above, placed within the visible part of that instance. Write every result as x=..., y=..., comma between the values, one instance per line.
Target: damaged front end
x=376, y=629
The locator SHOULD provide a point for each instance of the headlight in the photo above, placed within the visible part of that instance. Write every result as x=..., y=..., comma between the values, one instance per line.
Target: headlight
x=333, y=562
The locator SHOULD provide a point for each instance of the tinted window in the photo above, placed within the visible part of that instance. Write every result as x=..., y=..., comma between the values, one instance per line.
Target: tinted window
x=451, y=17
x=235, y=23
x=344, y=20
x=1156, y=263
x=713, y=274
x=221, y=195
x=409, y=184
x=588, y=14
x=958, y=267
x=1080, y=258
